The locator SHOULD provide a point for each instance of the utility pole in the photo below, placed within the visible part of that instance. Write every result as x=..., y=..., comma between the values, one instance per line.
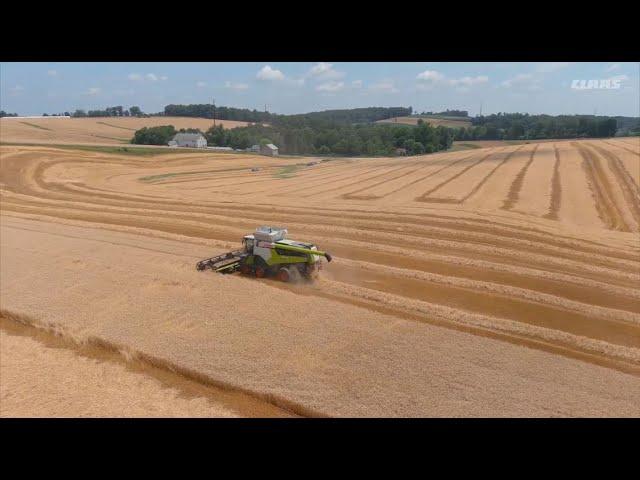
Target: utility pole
x=214, y=113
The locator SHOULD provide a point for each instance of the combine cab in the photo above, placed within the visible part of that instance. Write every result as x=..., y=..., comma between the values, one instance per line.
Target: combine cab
x=269, y=253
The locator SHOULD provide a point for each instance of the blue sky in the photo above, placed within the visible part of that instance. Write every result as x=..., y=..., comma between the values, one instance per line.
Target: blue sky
x=34, y=88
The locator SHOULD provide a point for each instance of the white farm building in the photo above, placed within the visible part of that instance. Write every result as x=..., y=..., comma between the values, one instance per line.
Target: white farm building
x=269, y=149
x=193, y=140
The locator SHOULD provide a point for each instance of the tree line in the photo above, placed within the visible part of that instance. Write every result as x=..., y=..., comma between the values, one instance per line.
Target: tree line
x=117, y=111
x=449, y=113
x=354, y=115
x=5, y=114
x=337, y=139
x=207, y=110
x=522, y=126
x=160, y=135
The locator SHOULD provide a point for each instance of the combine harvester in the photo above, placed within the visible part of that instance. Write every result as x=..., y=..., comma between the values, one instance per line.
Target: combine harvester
x=268, y=253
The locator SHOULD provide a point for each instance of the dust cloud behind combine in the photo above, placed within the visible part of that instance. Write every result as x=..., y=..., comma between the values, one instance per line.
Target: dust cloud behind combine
x=487, y=282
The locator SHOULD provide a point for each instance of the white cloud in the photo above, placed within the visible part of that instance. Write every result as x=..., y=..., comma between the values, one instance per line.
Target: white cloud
x=201, y=84
x=93, y=91
x=430, y=77
x=236, y=86
x=269, y=74
x=356, y=84
x=52, y=73
x=524, y=81
x=324, y=71
x=330, y=87
x=612, y=67
x=548, y=67
x=385, y=86
x=152, y=77
x=469, y=81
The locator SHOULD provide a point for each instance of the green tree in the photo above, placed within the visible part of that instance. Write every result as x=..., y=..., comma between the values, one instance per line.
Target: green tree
x=154, y=135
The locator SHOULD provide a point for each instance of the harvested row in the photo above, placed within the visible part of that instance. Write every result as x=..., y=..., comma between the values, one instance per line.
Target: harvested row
x=516, y=186
x=630, y=189
x=608, y=209
x=556, y=188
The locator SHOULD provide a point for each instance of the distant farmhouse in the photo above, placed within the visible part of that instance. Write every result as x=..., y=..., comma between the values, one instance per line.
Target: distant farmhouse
x=193, y=140
x=269, y=149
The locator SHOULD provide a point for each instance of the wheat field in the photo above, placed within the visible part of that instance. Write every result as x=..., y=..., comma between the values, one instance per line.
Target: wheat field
x=496, y=281
x=98, y=130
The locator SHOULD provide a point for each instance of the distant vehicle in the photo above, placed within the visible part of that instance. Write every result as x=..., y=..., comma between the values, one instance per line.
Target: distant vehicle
x=255, y=169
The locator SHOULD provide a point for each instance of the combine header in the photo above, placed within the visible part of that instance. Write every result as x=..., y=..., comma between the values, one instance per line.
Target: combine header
x=269, y=253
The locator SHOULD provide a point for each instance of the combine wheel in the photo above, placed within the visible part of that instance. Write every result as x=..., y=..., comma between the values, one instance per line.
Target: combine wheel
x=260, y=271
x=245, y=269
x=284, y=275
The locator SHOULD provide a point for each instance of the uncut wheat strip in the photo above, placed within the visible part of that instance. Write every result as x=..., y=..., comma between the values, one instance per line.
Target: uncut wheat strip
x=504, y=290
x=474, y=320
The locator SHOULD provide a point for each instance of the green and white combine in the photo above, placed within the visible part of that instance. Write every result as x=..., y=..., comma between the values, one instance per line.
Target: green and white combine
x=269, y=253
